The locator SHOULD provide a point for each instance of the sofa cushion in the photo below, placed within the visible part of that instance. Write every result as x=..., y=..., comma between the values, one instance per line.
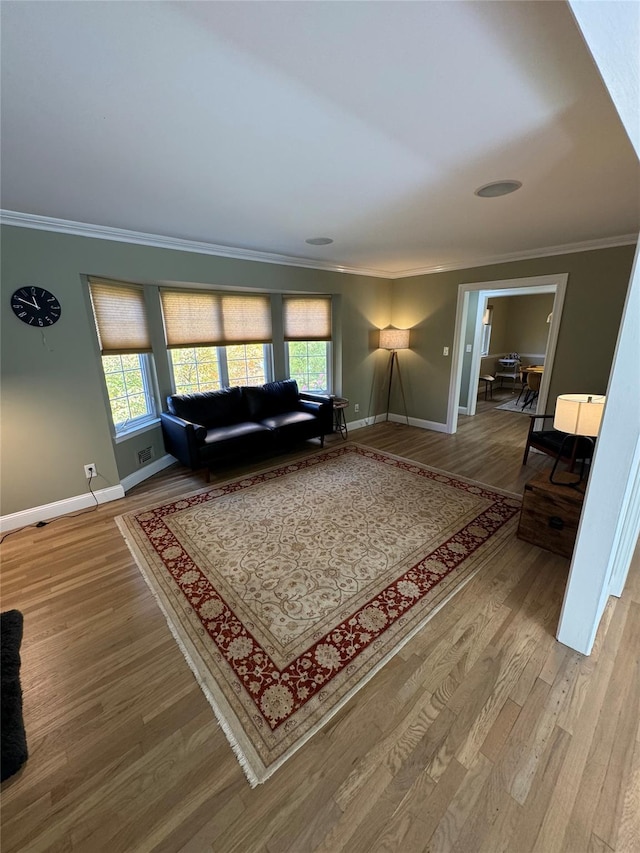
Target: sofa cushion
x=288, y=419
x=235, y=431
x=209, y=408
x=274, y=398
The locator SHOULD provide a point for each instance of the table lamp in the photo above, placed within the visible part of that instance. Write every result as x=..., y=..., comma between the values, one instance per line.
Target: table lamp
x=578, y=415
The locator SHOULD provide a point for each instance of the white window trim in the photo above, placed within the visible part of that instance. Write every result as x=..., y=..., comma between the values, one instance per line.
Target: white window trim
x=136, y=429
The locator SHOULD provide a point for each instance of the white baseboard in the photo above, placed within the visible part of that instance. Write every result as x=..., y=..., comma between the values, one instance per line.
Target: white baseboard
x=57, y=508
x=463, y=410
x=363, y=422
x=398, y=419
x=147, y=471
x=418, y=422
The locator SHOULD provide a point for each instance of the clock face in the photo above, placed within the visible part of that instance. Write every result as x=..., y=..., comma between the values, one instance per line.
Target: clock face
x=36, y=306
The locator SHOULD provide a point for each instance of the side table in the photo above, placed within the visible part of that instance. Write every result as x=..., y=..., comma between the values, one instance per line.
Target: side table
x=339, y=420
x=550, y=514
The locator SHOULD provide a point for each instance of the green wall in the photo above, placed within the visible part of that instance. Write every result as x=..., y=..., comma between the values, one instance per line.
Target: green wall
x=520, y=324
x=527, y=325
x=54, y=412
x=596, y=289
x=499, y=343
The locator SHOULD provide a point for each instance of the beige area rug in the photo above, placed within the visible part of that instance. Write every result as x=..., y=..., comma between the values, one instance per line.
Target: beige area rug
x=287, y=590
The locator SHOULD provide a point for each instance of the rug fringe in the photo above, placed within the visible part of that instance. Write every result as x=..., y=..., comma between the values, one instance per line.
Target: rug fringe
x=252, y=778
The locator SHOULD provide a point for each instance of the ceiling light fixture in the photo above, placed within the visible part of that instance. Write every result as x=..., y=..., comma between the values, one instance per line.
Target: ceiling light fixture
x=496, y=188
x=319, y=241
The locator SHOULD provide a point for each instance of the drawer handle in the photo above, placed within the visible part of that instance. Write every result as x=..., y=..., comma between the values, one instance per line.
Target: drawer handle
x=556, y=522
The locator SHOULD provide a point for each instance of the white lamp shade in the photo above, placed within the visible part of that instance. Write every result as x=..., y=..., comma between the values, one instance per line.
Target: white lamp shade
x=394, y=339
x=579, y=414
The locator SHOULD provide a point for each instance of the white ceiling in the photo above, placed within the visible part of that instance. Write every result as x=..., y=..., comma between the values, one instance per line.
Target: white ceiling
x=256, y=125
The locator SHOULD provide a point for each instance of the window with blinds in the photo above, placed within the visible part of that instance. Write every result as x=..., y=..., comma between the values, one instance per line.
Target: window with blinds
x=307, y=333
x=121, y=317
x=217, y=340
x=203, y=318
x=125, y=343
x=307, y=318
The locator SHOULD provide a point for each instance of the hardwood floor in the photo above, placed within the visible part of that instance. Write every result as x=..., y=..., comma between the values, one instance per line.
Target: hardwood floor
x=482, y=734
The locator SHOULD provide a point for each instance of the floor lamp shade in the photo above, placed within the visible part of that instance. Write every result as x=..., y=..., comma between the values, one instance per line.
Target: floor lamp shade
x=394, y=339
x=579, y=414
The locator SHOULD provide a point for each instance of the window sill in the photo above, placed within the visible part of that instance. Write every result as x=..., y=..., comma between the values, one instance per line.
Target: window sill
x=126, y=434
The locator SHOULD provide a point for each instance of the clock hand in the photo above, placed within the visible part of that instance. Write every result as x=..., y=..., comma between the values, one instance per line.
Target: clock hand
x=34, y=303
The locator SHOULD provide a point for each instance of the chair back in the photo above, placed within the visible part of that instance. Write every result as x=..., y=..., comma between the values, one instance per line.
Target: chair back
x=533, y=381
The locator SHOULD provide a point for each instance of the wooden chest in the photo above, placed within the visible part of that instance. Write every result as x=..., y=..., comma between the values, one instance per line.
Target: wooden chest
x=550, y=514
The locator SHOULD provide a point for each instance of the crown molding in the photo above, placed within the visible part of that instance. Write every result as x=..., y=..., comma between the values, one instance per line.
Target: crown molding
x=123, y=235
x=546, y=252
x=158, y=241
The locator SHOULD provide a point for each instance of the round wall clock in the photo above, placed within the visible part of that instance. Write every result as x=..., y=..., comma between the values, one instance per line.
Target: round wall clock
x=36, y=306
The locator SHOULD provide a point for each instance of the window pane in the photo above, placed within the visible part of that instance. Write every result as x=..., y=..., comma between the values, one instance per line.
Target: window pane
x=127, y=387
x=246, y=364
x=308, y=365
x=133, y=379
x=137, y=406
x=195, y=369
x=130, y=362
x=111, y=363
x=205, y=355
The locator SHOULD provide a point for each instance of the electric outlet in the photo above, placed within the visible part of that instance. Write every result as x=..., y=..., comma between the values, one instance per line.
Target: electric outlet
x=356, y=407
x=468, y=347
x=445, y=351
x=90, y=470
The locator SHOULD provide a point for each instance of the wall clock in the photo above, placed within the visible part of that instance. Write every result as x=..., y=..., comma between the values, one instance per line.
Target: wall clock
x=36, y=306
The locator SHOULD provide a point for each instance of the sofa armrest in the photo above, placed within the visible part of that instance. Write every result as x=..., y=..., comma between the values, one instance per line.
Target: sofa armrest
x=315, y=398
x=319, y=405
x=310, y=406
x=182, y=439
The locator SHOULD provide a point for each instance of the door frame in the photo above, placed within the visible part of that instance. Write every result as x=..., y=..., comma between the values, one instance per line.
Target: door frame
x=529, y=286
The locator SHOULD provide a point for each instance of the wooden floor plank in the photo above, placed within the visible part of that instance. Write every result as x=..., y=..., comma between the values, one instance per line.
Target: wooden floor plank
x=126, y=755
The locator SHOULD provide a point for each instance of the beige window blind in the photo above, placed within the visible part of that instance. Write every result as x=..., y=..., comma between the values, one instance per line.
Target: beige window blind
x=203, y=318
x=121, y=317
x=307, y=318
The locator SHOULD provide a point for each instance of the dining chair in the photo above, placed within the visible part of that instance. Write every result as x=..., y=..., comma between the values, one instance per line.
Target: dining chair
x=532, y=388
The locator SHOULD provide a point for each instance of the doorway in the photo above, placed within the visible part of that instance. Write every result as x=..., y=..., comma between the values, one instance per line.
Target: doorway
x=472, y=300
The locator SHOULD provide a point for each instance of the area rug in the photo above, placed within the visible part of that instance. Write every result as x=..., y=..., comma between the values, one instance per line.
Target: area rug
x=287, y=590
x=512, y=406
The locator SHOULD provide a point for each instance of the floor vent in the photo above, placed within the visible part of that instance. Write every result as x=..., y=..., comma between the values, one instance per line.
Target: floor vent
x=145, y=455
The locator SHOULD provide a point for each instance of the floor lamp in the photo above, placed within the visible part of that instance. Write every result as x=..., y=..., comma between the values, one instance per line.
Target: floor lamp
x=393, y=340
x=579, y=415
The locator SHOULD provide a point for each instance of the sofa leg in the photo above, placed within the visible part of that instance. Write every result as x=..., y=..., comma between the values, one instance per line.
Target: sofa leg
x=322, y=441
